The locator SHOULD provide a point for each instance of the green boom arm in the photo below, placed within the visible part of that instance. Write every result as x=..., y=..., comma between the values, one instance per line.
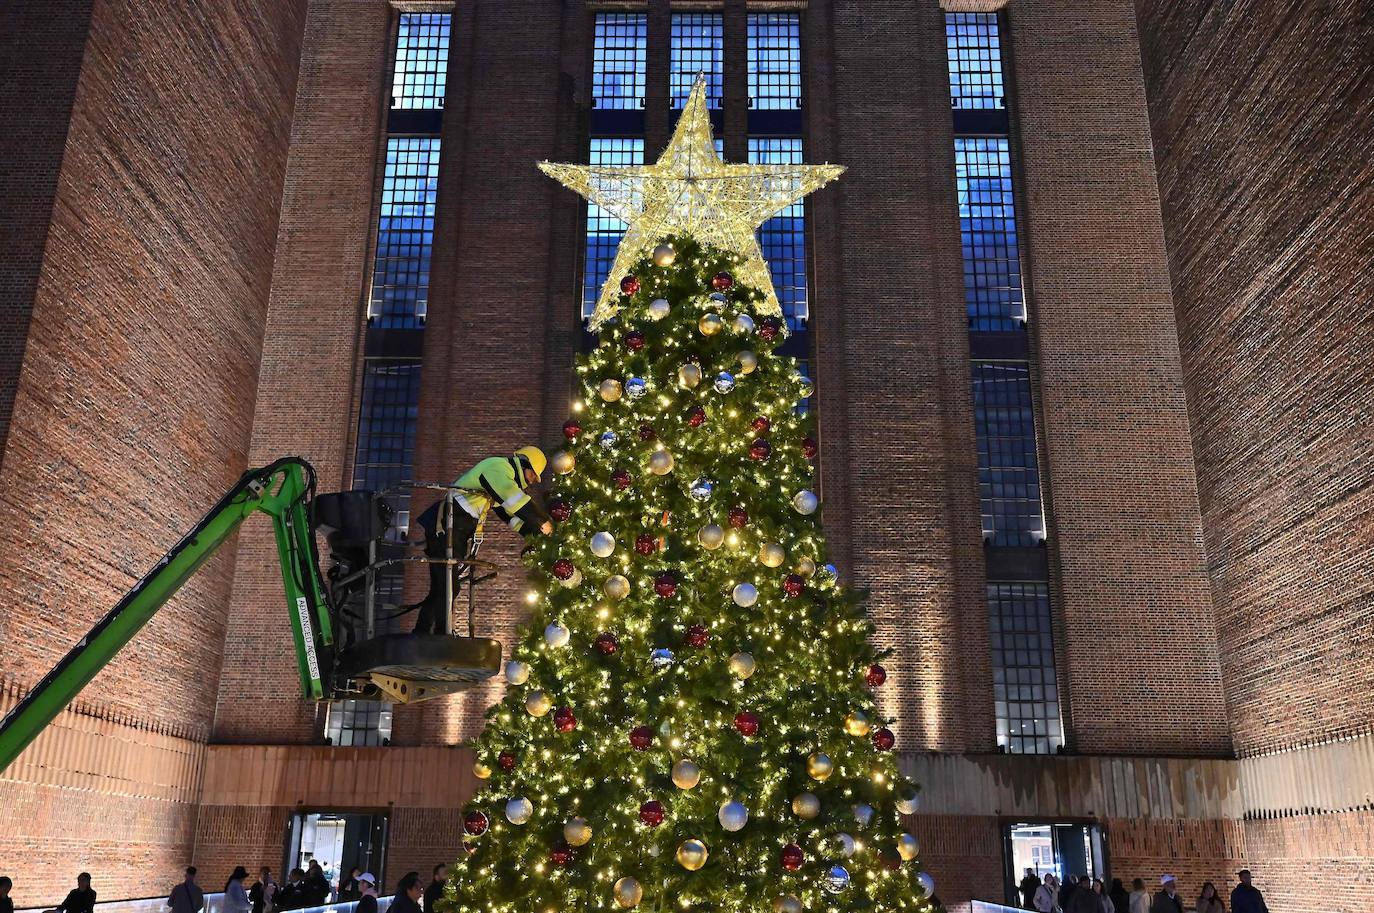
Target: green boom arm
x=281, y=491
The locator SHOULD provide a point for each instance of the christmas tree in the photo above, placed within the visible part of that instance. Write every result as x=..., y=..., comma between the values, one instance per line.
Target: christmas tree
x=690, y=722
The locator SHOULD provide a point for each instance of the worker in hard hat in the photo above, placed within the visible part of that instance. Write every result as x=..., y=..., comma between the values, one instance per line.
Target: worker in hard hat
x=496, y=485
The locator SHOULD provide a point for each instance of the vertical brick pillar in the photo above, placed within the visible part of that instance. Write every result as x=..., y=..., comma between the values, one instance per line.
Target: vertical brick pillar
x=657, y=101
x=736, y=90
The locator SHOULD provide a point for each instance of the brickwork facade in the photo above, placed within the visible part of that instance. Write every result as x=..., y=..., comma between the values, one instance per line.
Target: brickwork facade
x=1202, y=508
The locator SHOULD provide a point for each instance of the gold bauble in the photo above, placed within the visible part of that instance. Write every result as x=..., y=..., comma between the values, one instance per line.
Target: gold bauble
x=806, y=806
x=577, y=832
x=664, y=255
x=908, y=847
x=691, y=855
x=563, y=462
x=628, y=893
x=689, y=375
x=538, y=703
x=660, y=462
x=686, y=774
x=786, y=903
x=710, y=324
x=617, y=586
x=819, y=766
x=806, y=567
x=711, y=537
x=772, y=554
x=610, y=389
x=857, y=723
x=748, y=362
x=742, y=666
x=480, y=770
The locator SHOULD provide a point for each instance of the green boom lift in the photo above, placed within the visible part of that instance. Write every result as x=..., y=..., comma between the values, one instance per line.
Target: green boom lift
x=362, y=664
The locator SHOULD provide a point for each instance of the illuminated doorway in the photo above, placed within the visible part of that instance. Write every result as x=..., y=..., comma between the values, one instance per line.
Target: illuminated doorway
x=1066, y=850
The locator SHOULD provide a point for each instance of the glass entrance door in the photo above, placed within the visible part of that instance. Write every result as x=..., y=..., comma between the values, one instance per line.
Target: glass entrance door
x=1066, y=850
x=338, y=841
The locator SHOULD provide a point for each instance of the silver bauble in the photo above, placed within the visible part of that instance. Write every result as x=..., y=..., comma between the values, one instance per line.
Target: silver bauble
x=806, y=806
x=660, y=462
x=742, y=665
x=718, y=297
x=628, y=892
x=829, y=573
x=748, y=362
x=786, y=903
x=772, y=554
x=808, y=386
x=617, y=586
x=863, y=814
x=845, y=845
x=608, y=440
x=745, y=595
x=603, y=545
x=909, y=805
x=733, y=816
x=636, y=387
x=664, y=255
x=725, y=382
x=711, y=536
x=574, y=581
x=805, y=502
x=659, y=308
x=555, y=635
x=836, y=879
x=517, y=673
x=927, y=883
x=519, y=810
x=742, y=324
x=686, y=774
x=702, y=489
x=661, y=658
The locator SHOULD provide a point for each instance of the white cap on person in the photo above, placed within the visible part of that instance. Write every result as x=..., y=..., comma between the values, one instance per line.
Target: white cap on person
x=369, y=878
x=1165, y=879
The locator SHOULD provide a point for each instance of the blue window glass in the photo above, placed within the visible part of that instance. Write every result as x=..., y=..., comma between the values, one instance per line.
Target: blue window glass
x=975, y=61
x=987, y=224
x=697, y=46
x=618, y=61
x=421, y=60
x=1025, y=685
x=1008, y=467
x=775, y=61
x=386, y=427
x=783, y=237
x=405, y=232
x=604, y=230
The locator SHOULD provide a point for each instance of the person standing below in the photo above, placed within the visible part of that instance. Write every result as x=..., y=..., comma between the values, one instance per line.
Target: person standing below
x=1047, y=895
x=235, y=896
x=6, y=903
x=1167, y=900
x=80, y=899
x=187, y=897
x=316, y=885
x=348, y=888
x=435, y=891
x=1120, y=900
x=409, y=890
x=1029, y=885
x=292, y=894
x=1083, y=899
x=264, y=892
x=1245, y=897
x=1105, y=904
x=1140, y=898
x=1209, y=901
x=366, y=886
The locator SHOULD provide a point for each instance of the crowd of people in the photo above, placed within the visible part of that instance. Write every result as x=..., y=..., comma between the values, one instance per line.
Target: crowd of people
x=1082, y=894
x=308, y=887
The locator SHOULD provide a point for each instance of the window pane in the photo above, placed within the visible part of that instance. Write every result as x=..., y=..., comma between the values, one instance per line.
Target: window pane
x=604, y=230
x=405, y=232
x=697, y=47
x=421, y=60
x=386, y=429
x=351, y=722
x=975, y=60
x=1008, y=470
x=775, y=61
x=1023, y=666
x=987, y=225
x=783, y=237
x=618, y=61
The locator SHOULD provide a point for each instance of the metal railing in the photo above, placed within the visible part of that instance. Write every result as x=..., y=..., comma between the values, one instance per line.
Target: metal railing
x=214, y=903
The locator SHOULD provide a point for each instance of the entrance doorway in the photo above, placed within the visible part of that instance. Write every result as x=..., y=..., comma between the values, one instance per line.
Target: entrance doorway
x=1066, y=850
x=338, y=841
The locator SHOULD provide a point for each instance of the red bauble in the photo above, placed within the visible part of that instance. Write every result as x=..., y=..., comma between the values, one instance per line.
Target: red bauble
x=651, y=813
x=794, y=585
x=646, y=544
x=647, y=433
x=607, y=643
x=572, y=428
x=747, y=723
x=563, y=569
x=562, y=854
x=696, y=417
x=792, y=857
x=770, y=329
x=810, y=448
x=665, y=585
x=564, y=720
x=697, y=636
x=475, y=823
x=560, y=510
x=722, y=281
x=506, y=761
x=634, y=341
x=761, y=424
x=738, y=517
x=760, y=450
x=875, y=675
x=641, y=737
x=883, y=739
x=621, y=479
x=629, y=285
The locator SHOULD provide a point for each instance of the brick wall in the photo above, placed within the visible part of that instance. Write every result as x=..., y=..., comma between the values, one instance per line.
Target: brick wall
x=1262, y=114
x=135, y=396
